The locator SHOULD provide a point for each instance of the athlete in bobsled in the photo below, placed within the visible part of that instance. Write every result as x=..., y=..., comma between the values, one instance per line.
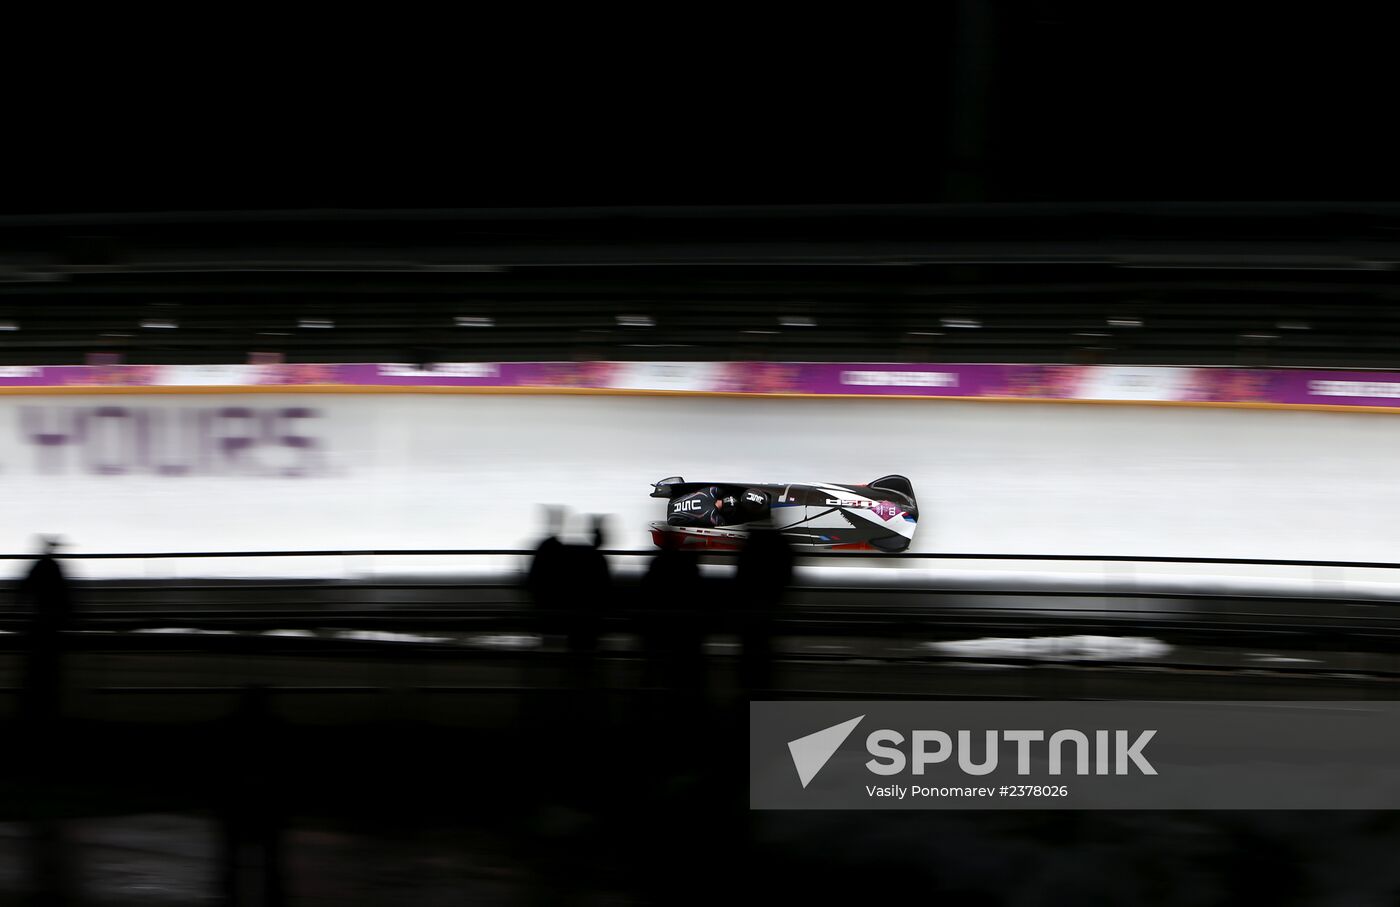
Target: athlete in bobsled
x=877, y=516
x=725, y=509
x=712, y=506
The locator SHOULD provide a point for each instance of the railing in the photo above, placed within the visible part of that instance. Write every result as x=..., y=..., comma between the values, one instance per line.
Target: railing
x=839, y=572
x=862, y=586
x=112, y=619
x=833, y=555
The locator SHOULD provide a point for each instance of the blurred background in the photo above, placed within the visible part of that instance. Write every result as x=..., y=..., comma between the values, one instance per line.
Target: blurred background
x=310, y=600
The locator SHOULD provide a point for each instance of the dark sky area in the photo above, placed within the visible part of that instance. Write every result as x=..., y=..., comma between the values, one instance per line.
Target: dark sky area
x=970, y=102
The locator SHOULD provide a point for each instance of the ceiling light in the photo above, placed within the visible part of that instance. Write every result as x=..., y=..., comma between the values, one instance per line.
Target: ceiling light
x=8, y=326
x=1125, y=322
x=315, y=323
x=636, y=321
x=1258, y=336
x=156, y=324
x=796, y=321
x=759, y=332
x=473, y=321
x=961, y=323
x=924, y=333
x=1293, y=326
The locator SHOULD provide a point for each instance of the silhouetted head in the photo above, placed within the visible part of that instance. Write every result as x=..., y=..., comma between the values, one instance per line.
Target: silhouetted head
x=600, y=530
x=49, y=544
x=553, y=520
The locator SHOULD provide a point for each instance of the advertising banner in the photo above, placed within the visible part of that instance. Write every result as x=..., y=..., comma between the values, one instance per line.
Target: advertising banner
x=1110, y=383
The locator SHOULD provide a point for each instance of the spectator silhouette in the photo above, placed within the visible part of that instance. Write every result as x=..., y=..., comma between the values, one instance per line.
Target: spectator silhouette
x=46, y=592
x=547, y=583
x=672, y=631
x=590, y=596
x=251, y=796
x=762, y=573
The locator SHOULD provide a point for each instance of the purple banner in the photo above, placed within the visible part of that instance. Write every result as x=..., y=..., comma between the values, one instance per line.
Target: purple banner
x=1341, y=388
x=1024, y=382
